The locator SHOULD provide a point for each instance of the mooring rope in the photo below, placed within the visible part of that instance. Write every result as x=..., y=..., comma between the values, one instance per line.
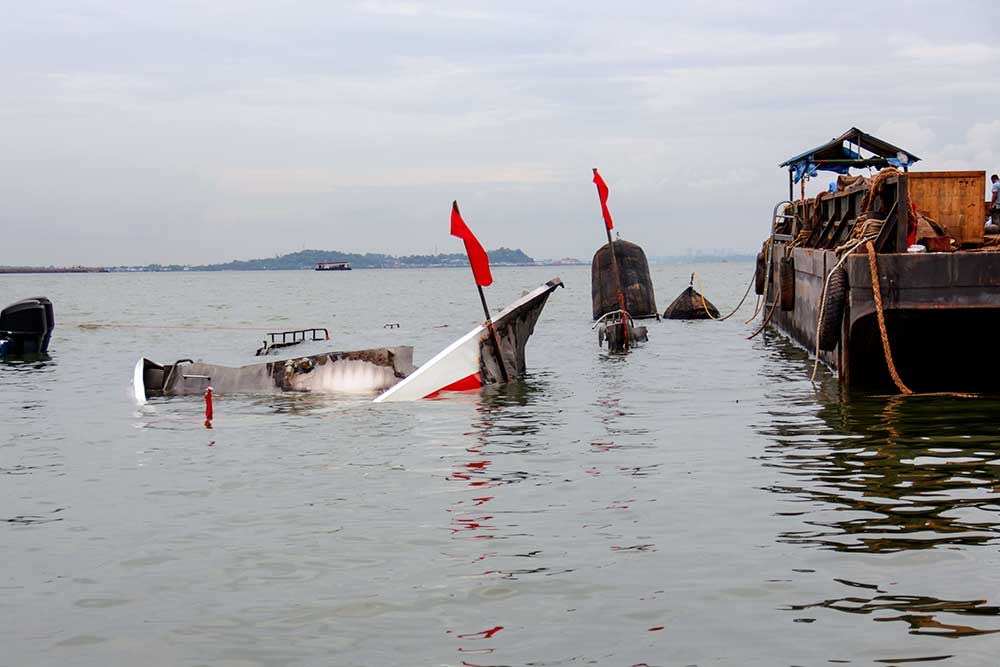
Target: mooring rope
x=704, y=304
x=867, y=232
x=880, y=316
x=877, y=295
x=770, y=313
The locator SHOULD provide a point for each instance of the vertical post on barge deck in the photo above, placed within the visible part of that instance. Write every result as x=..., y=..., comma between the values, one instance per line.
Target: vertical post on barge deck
x=902, y=213
x=791, y=185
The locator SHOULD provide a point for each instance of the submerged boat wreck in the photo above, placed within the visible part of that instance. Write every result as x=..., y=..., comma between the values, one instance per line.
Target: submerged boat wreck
x=357, y=371
x=26, y=327
x=472, y=361
x=469, y=363
x=883, y=275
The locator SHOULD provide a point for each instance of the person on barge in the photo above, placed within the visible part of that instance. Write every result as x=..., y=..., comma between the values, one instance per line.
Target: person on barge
x=993, y=208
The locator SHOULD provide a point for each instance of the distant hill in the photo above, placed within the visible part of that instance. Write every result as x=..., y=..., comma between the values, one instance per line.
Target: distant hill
x=308, y=259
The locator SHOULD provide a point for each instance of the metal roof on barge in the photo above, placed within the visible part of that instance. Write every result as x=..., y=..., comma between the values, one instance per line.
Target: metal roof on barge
x=842, y=153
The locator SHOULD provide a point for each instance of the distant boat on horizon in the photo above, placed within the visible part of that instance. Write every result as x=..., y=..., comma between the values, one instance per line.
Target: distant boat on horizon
x=333, y=266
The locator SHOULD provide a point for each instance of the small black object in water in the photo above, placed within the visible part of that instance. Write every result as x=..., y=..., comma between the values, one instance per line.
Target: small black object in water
x=690, y=305
x=26, y=327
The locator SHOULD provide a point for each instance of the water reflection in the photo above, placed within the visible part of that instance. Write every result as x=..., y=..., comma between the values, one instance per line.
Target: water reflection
x=489, y=521
x=27, y=362
x=917, y=611
x=883, y=475
x=878, y=475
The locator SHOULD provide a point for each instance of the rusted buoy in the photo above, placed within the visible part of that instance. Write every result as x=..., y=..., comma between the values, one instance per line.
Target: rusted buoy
x=637, y=286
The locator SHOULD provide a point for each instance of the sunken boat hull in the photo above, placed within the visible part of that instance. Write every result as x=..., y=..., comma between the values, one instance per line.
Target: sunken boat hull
x=356, y=371
x=940, y=308
x=472, y=362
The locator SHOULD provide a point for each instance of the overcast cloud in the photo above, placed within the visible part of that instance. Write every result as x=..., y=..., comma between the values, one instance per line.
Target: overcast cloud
x=134, y=132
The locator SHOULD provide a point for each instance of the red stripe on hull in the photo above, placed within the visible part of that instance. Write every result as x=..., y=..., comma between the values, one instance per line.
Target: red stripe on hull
x=465, y=384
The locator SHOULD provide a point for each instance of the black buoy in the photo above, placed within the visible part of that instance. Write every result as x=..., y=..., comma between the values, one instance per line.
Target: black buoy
x=637, y=286
x=691, y=305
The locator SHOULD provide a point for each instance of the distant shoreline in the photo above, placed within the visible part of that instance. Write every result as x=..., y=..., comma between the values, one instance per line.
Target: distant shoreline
x=54, y=269
x=654, y=261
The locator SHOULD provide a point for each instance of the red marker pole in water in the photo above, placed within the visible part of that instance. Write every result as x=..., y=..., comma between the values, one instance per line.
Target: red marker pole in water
x=208, y=408
x=602, y=194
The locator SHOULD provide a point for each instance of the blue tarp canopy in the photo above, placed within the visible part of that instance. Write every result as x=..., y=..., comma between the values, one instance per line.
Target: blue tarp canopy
x=840, y=154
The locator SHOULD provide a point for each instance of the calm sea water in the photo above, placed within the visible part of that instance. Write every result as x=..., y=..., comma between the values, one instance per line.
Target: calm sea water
x=696, y=502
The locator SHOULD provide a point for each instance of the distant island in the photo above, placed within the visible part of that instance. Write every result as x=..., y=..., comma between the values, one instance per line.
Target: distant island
x=308, y=259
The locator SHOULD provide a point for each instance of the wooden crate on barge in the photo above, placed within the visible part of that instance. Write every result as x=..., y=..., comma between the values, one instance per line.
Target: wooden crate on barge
x=953, y=199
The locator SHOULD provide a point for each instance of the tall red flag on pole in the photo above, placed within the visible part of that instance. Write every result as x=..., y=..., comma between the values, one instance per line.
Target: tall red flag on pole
x=477, y=256
x=602, y=192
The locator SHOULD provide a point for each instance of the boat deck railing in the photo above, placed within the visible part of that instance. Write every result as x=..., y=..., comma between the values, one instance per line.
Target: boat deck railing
x=279, y=339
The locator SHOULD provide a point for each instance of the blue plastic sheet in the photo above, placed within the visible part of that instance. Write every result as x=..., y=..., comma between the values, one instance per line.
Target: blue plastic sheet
x=806, y=167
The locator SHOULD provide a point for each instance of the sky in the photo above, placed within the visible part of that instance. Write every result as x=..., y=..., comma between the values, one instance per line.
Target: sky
x=196, y=132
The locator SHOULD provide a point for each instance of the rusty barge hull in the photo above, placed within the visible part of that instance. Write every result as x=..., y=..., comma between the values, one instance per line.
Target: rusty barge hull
x=941, y=302
x=941, y=310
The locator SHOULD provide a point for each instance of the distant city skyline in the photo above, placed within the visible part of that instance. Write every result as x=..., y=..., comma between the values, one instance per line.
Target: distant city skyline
x=190, y=133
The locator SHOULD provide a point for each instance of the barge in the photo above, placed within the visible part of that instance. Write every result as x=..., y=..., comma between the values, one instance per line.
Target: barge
x=925, y=322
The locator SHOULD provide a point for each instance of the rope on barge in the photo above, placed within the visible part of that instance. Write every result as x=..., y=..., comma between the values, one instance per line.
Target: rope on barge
x=877, y=295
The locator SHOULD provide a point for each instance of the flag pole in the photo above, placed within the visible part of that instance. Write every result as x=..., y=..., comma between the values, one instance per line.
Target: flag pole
x=493, y=334
x=489, y=320
x=618, y=283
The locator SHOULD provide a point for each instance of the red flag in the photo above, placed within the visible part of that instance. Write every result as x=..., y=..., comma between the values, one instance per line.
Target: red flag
x=477, y=256
x=602, y=192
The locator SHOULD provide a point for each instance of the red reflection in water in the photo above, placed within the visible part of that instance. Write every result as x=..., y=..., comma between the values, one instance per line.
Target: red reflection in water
x=473, y=524
x=483, y=500
x=592, y=471
x=484, y=634
x=477, y=464
x=603, y=446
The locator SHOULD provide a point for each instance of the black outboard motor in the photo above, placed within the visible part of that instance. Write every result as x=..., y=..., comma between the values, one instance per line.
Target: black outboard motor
x=26, y=327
